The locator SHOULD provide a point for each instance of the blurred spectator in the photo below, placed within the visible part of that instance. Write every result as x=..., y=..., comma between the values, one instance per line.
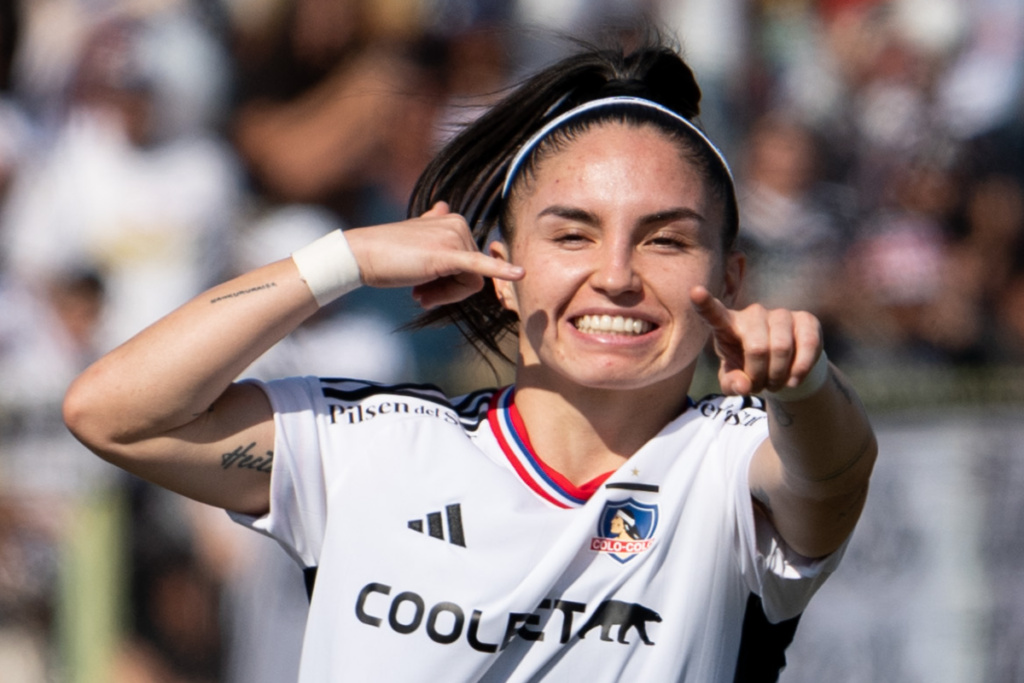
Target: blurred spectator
x=715, y=38
x=47, y=337
x=15, y=127
x=981, y=88
x=118, y=194
x=326, y=90
x=909, y=295
x=793, y=226
x=120, y=214
x=883, y=85
x=175, y=633
x=879, y=150
x=28, y=582
x=990, y=264
x=179, y=54
x=340, y=106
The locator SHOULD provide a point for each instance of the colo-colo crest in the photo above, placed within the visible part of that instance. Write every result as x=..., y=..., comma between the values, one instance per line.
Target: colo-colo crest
x=625, y=529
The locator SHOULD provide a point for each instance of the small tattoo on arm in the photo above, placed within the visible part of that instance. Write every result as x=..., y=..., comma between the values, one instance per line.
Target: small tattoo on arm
x=242, y=458
x=856, y=505
x=842, y=388
x=782, y=417
x=243, y=292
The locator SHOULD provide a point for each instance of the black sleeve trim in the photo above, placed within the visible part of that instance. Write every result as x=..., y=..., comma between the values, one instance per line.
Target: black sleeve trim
x=763, y=645
x=356, y=395
x=309, y=574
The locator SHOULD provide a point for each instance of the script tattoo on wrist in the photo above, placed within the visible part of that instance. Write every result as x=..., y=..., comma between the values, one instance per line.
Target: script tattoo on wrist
x=243, y=292
x=242, y=458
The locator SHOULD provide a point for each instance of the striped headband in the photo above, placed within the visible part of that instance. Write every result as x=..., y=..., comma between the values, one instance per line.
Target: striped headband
x=535, y=139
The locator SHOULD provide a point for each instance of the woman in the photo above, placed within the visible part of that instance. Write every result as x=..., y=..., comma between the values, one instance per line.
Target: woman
x=491, y=554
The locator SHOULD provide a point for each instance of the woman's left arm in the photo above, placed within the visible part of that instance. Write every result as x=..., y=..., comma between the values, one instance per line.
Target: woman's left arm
x=811, y=476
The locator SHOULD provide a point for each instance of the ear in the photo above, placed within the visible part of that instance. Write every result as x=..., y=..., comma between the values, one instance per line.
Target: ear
x=505, y=289
x=735, y=268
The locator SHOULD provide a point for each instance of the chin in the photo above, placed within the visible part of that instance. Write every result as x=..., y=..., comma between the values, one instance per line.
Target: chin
x=625, y=378
x=573, y=368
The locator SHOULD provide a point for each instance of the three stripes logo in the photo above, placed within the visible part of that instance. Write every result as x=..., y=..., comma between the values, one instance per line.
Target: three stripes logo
x=435, y=525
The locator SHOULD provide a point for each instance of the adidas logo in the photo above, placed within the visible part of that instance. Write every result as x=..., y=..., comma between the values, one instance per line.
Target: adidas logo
x=435, y=528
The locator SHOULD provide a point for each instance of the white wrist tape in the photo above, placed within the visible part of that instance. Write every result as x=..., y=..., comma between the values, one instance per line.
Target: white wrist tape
x=328, y=267
x=814, y=381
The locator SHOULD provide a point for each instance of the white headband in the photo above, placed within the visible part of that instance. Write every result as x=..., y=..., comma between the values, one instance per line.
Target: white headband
x=524, y=151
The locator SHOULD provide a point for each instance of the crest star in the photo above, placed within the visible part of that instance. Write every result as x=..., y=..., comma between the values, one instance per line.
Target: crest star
x=636, y=472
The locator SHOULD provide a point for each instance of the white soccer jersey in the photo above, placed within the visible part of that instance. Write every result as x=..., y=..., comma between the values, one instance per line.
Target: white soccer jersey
x=447, y=551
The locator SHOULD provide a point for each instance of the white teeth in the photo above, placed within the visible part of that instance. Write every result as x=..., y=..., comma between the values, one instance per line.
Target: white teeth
x=595, y=324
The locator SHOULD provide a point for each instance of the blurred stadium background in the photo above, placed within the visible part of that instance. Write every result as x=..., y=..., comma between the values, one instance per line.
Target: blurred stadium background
x=149, y=148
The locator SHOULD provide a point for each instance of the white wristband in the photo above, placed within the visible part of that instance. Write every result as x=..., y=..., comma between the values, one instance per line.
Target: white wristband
x=814, y=380
x=328, y=267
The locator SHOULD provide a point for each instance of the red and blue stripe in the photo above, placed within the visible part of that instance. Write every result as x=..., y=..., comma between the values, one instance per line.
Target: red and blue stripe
x=510, y=432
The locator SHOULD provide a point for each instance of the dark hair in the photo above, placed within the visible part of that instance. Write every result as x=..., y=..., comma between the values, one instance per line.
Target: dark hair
x=469, y=171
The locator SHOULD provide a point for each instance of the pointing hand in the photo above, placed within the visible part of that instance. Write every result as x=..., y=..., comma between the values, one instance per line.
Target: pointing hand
x=759, y=349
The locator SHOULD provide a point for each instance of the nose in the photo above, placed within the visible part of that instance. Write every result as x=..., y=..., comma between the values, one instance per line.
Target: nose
x=615, y=271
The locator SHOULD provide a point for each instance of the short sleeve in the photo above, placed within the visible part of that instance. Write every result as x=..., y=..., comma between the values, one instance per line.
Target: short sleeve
x=298, y=498
x=785, y=580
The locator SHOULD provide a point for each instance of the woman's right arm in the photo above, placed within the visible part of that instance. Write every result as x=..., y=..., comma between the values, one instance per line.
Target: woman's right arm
x=164, y=405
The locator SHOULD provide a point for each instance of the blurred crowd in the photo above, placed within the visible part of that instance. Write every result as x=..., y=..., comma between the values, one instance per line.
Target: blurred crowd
x=150, y=148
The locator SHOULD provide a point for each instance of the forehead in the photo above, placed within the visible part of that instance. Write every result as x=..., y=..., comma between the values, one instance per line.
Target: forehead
x=613, y=163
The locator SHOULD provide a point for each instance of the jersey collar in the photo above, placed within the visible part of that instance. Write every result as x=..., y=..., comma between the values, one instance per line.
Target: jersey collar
x=546, y=482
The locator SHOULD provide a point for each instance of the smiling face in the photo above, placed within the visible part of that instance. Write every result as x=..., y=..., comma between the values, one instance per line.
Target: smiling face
x=613, y=231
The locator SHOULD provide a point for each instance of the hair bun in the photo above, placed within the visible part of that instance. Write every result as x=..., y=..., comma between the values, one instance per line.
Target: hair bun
x=672, y=82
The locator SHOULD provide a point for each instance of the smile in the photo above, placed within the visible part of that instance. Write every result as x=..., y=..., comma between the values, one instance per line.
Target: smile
x=614, y=324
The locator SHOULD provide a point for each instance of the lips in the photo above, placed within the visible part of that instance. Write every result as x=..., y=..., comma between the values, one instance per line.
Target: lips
x=612, y=324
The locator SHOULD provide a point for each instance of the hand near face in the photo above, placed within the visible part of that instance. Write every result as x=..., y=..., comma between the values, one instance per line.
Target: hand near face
x=760, y=349
x=434, y=254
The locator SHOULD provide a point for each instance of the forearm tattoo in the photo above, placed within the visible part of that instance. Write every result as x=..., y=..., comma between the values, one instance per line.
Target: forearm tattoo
x=243, y=292
x=241, y=458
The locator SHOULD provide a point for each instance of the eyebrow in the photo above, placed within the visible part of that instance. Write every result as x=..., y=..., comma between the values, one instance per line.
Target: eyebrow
x=583, y=216
x=569, y=213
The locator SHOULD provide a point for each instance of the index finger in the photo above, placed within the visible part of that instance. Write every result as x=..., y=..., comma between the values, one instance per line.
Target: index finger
x=488, y=266
x=709, y=307
x=440, y=208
